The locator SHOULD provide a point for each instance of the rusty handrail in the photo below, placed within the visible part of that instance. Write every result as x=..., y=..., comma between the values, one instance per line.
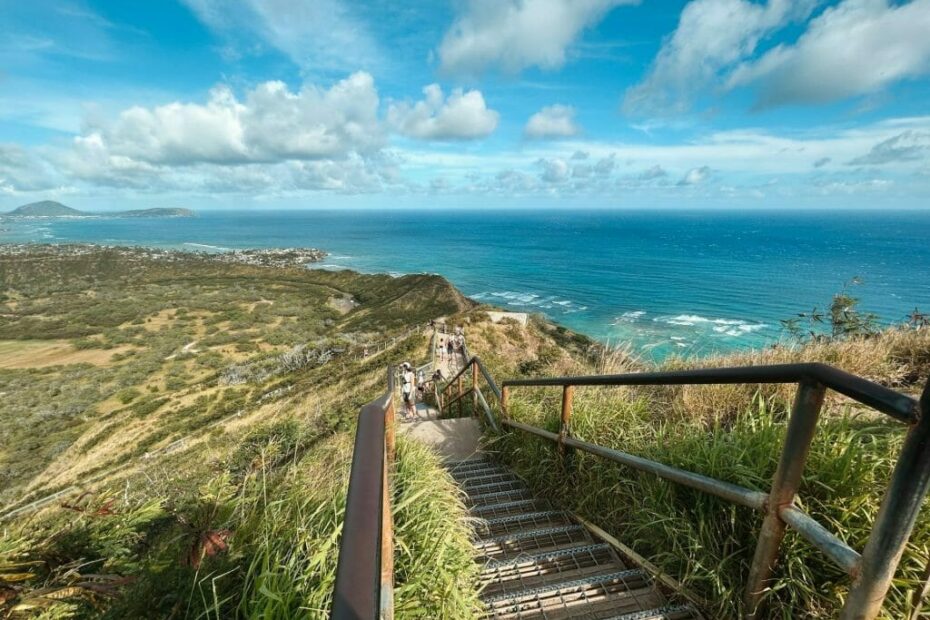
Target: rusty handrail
x=477, y=367
x=365, y=573
x=873, y=569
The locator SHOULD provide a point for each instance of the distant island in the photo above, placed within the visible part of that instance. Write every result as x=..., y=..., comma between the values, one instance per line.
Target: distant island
x=50, y=208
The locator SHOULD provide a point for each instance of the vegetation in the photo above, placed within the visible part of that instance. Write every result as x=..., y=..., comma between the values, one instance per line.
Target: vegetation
x=210, y=492
x=733, y=433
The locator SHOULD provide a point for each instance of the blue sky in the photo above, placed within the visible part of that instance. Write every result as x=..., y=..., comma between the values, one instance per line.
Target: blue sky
x=466, y=103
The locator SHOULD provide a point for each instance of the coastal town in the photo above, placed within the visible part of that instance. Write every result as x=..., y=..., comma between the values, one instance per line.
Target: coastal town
x=269, y=257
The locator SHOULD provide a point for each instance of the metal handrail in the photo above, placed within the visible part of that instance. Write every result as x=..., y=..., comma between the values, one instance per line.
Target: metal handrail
x=365, y=573
x=873, y=569
x=476, y=366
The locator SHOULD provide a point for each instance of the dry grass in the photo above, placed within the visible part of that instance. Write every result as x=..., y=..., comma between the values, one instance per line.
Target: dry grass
x=733, y=433
x=46, y=353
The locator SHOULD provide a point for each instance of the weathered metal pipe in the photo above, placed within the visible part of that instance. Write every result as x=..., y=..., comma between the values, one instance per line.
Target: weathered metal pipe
x=823, y=539
x=801, y=426
x=730, y=492
x=565, y=421
x=895, y=522
x=881, y=398
x=487, y=411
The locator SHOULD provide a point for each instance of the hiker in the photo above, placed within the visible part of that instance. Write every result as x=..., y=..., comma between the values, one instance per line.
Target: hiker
x=450, y=348
x=441, y=350
x=409, y=398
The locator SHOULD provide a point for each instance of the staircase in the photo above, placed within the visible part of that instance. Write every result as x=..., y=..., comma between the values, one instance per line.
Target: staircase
x=540, y=563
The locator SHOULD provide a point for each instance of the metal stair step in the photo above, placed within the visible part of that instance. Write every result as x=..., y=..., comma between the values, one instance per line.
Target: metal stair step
x=472, y=482
x=669, y=612
x=532, y=571
x=598, y=597
x=492, y=487
x=462, y=476
x=503, y=509
x=467, y=465
x=501, y=526
x=495, y=497
x=532, y=541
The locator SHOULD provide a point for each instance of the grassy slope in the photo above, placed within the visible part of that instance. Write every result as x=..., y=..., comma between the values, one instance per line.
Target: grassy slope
x=730, y=432
x=258, y=498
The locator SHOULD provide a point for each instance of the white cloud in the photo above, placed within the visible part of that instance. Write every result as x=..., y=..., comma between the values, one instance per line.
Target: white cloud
x=515, y=34
x=654, y=172
x=554, y=121
x=907, y=146
x=460, y=116
x=272, y=123
x=22, y=171
x=317, y=35
x=695, y=176
x=855, y=48
x=712, y=37
x=554, y=170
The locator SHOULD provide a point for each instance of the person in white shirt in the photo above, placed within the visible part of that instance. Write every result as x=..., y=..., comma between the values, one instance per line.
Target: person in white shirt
x=409, y=391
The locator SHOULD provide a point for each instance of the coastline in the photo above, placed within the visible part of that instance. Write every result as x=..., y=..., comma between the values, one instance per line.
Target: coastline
x=677, y=283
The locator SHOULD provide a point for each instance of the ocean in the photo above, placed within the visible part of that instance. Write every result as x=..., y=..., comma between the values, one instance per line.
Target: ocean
x=685, y=282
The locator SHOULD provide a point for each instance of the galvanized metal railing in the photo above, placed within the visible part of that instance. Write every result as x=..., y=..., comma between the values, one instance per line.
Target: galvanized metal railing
x=365, y=574
x=873, y=570
x=454, y=391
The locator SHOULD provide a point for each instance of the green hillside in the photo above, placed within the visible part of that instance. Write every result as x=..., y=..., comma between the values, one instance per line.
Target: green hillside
x=45, y=208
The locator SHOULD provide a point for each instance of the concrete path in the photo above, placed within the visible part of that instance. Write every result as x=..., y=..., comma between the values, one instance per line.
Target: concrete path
x=454, y=440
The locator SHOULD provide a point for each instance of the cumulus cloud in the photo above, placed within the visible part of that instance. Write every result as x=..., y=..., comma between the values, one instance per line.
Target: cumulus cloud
x=712, y=37
x=907, y=146
x=555, y=170
x=855, y=48
x=272, y=123
x=554, y=121
x=22, y=171
x=695, y=176
x=654, y=172
x=460, y=116
x=515, y=34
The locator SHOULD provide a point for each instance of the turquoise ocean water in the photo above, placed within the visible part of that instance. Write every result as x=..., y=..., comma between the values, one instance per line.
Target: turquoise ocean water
x=684, y=281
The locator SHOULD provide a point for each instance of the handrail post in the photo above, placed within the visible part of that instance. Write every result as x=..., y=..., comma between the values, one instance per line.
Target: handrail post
x=565, y=454
x=895, y=522
x=801, y=426
x=461, y=386
x=505, y=398
x=474, y=387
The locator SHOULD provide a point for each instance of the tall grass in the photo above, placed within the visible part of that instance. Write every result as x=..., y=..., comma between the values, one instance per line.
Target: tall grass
x=277, y=511
x=733, y=433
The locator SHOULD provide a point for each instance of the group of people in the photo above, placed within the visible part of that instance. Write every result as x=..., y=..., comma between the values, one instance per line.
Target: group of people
x=414, y=388
x=448, y=344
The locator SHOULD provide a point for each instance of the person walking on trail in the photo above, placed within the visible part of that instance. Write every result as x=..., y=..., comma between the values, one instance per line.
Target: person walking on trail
x=450, y=348
x=408, y=391
x=441, y=350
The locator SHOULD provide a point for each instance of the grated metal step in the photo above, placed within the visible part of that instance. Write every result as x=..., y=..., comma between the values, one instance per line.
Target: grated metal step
x=596, y=598
x=501, y=526
x=669, y=612
x=475, y=481
x=494, y=497
x=503, y=509
x=532, y=541
x=495, y=487
x=477, y=473
x=539, y=563
x=551, y=567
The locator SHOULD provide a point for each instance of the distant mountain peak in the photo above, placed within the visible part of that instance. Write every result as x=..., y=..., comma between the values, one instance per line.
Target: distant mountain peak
x=50, y=208
x=45, y=208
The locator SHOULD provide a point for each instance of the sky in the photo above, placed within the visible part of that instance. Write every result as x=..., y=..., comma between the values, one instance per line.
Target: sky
x=466, y=103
